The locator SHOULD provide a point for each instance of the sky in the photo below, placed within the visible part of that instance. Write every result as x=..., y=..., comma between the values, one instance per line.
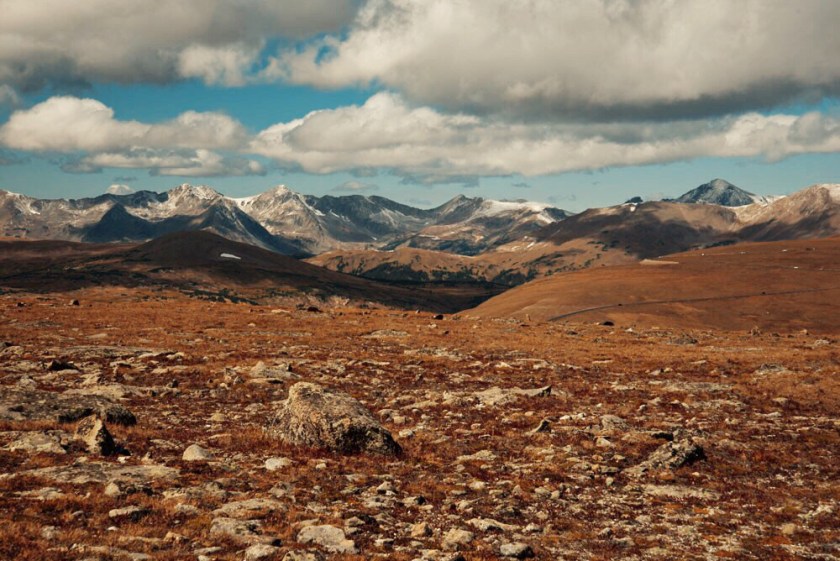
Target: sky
x=580, y=103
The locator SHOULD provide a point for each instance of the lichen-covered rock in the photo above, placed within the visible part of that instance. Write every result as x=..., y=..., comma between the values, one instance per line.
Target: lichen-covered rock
x=671, y=455
x=326, y=418
x=329, y=537
x=95, y=436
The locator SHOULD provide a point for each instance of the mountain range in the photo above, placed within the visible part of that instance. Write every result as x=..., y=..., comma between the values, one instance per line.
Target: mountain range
x=615, y=235
x=279, y=219
x=463, y=240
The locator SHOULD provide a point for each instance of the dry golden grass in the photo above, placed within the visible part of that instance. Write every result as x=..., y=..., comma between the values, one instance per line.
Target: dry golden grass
x=767, y=405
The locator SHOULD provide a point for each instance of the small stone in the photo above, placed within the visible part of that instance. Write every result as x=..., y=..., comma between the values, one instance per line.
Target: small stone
x=299, y=555
x=112, y=490
x=329, y=537
x=517, y=550
x=59, y=365
x=241, y=531
x=274, y=464
x=455, y=538
x=132, y=513
x=421, y=530
x=789, y=529
x=260, y=552
x=195, y=453
x=544, y=426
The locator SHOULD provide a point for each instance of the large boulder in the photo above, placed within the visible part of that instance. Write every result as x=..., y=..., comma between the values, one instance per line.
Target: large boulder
x=326, y=418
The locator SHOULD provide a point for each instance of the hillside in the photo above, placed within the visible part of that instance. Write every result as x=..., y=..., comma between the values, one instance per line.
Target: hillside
x=208, y=265
x=778, y=286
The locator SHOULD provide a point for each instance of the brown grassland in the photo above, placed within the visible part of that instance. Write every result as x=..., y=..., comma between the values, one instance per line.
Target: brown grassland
x=764, y=404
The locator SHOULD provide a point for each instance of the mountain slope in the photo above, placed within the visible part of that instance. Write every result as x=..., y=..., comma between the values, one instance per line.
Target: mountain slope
x=719, y=192
x=202, y=262
x=778, y=286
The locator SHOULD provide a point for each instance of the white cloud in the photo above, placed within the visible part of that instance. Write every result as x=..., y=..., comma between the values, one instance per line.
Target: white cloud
x=226, y=65
x=198, y=163
x=67, y=124
x=49, y=42
x=119, y=189
x=590, y=59
x=386, y=132
x=88, y=131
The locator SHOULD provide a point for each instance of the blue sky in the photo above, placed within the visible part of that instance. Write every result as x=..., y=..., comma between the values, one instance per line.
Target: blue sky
x=579, y=104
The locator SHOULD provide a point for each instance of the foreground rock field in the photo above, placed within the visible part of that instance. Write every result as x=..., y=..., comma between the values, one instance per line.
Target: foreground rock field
x=144, y=424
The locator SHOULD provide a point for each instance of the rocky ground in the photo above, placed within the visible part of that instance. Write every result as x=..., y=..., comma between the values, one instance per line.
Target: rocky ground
x=144, y=424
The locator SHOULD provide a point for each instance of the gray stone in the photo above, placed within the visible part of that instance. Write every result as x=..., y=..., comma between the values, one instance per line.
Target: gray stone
x=132, y=513
x=37, y=442
x=95, y=436
x=517, y=550
x=456, y=538
x=240, y=531
x=326, y=418
x=421, y=530
x=249, y=508
x=302, y=555
x=260, y=552
x=195, y=453
x=273, y=464
x=671, y=455
x=329, y=537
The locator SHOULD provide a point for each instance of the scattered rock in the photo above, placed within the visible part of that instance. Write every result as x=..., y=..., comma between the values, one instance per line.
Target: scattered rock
x=38, y=442
x=421, y=530
x=57, y=365
x=195, y=453
x=261, y=551
x=116, y=414
x=325, y=418
x=456, y=538
x=299, y=555
x=480, y=456
x=131, y=513
x=496, y=396
x=249, y=508
x=544, y=426
x=517, y=550
x=103, y=472
x=240, y=531
x=329, y=537
x=274, y=464
x=94, y=434
x=671, y=455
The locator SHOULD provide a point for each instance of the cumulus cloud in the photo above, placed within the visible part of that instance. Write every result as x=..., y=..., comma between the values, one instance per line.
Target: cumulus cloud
x=91, y=138
x=56, y=42
x=65, y=124
x=425, y=145
x=584, y=59
x=187, y=163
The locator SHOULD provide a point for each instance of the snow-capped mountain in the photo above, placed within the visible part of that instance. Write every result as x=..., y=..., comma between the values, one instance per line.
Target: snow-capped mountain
x=296, y=224
x=278, y=219
x=720, y=192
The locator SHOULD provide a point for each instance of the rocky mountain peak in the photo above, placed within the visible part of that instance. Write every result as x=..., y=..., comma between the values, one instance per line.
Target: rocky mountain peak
x=719, y=192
